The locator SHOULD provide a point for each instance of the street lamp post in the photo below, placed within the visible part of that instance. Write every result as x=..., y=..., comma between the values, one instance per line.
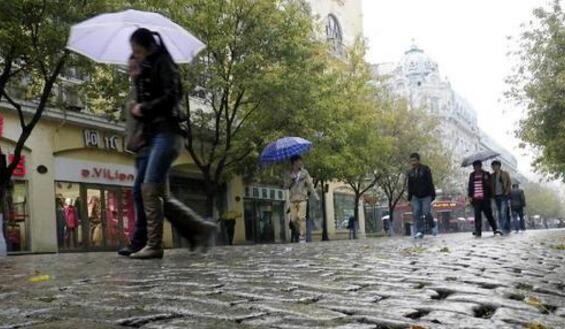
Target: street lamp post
x=324, y=214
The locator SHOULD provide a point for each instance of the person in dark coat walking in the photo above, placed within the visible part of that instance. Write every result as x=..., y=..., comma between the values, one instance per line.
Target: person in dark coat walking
x=480, y=192
x=518, y=203
x=157, y=93
x=421, y=193
x=352, y=226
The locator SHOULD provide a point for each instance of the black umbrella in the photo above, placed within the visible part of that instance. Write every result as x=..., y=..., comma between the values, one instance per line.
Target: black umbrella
x=481, y=156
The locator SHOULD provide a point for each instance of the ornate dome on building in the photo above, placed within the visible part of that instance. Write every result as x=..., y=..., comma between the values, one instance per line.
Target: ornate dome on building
x=416, y=63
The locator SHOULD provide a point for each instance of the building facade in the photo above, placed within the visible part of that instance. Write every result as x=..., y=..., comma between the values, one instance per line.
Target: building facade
x=72, y=190
x=417, y=79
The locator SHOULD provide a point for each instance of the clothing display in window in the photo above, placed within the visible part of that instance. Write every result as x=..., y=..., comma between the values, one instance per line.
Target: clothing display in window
x=112, y=219
x=71, y=223
x=61, y=221
x=95, y=219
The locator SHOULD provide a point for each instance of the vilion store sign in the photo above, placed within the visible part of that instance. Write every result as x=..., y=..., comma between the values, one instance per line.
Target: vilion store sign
x=79, y=171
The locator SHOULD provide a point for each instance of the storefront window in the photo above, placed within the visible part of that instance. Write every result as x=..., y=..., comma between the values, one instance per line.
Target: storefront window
x=16, y=223
x=344, y=208
x=68, y=215
x=93, y=217
x=315, y=211
x=264, y=221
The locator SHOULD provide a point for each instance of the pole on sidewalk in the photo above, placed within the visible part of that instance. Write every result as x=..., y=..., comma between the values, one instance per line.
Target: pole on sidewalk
x=324, y=214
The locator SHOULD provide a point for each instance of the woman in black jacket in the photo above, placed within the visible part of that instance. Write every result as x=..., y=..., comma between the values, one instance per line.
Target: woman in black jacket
x=158, y=92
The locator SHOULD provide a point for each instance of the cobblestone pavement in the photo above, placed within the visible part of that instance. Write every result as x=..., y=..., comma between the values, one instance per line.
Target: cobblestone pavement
x=452, y=281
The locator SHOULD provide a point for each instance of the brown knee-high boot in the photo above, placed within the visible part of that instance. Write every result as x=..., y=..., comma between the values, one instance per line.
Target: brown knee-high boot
x=189, y=224
x=153, y=196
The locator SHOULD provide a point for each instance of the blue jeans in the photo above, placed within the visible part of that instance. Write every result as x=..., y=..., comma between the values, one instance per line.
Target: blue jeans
x=309, y=228
x=502, y=213
x=152, y=165
x=518, y=215
x=420, y=207
x=353, y=232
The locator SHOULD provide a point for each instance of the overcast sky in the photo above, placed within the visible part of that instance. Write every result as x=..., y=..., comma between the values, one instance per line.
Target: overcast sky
x=468, y=40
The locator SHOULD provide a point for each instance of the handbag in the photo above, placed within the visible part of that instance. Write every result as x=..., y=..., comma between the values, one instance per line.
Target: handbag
x=135, y=139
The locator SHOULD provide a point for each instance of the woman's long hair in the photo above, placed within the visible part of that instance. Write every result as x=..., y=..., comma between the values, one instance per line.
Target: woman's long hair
x=146, y=39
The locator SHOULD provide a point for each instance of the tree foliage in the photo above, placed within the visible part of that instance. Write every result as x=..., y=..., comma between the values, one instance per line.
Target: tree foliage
x=256, y=73
x=411, y=130
x=543, y=200
x=538, y=83
x=33, y=39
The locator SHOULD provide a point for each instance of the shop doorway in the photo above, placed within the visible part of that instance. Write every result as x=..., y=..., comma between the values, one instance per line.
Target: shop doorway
x=264, y=221
x=189, y=191
x=93, y=217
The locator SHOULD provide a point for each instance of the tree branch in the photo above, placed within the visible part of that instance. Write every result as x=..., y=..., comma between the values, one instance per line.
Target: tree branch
x=18, y=107
x=26, y=132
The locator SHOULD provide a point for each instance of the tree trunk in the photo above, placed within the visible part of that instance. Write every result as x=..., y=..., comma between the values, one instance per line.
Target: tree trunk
x=356, y=209
x=325, y=236
x=391, y=216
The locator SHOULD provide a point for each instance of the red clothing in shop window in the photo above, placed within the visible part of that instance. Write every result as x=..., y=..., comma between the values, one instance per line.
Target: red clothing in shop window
x=129, y=214
x=71, y=217
x=14, y=235
x=112, y=215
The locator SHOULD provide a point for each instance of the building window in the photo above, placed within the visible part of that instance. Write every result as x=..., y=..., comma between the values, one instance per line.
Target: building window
x=92, y=217
x=315, y=211
x=334, y=35
x=16, y=221
x=344, y=208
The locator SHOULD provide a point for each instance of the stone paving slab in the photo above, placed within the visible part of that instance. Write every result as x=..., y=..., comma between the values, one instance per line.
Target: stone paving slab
x=451, y=281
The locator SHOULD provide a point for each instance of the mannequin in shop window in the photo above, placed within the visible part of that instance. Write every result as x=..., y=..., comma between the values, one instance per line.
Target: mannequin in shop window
x=95, y=219
x=13, y=233
x=61, y=220
x=71, y=221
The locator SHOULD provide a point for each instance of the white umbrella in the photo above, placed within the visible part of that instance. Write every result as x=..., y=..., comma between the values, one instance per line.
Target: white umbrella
x=105, y=38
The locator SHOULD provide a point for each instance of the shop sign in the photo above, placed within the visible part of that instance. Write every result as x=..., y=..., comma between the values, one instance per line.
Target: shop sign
x=445, y=205
x=20, y=170
x=79, y=171
x=94, y=139
x=108, y=174
x=265, y=193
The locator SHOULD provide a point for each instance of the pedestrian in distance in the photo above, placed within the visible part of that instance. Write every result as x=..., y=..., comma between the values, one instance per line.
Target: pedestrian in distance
x=502, y=186
x=155, y=107
x=352, y=226
x=480, y=193
x=421, y=193
x=518, y=203
x=300, y=185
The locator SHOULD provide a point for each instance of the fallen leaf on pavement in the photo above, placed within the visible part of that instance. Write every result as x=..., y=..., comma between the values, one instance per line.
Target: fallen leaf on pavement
x=536, y=325
x=534, y=301
x=40, y=278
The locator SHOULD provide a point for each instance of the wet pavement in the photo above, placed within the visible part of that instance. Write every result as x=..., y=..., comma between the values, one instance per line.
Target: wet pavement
x=451, y=281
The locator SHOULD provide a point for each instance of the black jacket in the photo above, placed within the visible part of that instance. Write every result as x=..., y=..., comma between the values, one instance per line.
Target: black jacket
x=518, y=198
x=159, y=91
x=487, y=184
x=421, y=183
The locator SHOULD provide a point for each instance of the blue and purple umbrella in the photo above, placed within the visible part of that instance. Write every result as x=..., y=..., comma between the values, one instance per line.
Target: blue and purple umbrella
x=284, y=149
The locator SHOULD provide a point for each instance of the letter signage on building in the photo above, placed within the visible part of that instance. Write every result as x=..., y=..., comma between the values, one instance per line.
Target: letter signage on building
x=20, y=170
x=79, y=171
x=94, y=139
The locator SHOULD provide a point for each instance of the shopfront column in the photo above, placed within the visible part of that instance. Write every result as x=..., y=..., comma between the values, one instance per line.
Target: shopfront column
x=41, y=192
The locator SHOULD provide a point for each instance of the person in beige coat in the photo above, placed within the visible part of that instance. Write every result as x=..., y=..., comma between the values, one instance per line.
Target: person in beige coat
x=300, y=185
